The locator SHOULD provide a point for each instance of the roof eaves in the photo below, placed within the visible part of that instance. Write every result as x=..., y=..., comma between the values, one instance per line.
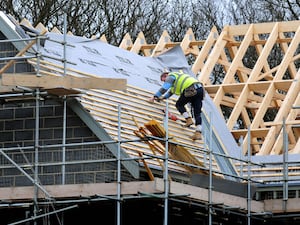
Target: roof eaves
x=10, y=30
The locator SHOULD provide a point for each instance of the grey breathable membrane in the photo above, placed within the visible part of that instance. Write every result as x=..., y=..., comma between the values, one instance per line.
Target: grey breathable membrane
x=104, y=60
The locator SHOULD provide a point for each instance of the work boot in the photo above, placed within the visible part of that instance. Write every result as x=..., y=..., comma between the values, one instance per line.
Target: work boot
x=188, y=122
x=196, y=136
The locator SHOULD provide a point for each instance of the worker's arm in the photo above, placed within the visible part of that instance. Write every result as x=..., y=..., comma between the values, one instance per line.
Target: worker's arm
x=164, y=88
x=168, y=95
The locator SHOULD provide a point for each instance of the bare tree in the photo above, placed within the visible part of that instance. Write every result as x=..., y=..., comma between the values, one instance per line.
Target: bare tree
x=283, y=10
x=130, y=16
x=115, y=18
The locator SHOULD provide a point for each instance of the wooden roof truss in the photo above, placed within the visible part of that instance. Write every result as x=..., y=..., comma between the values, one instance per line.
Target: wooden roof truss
x=250, y=93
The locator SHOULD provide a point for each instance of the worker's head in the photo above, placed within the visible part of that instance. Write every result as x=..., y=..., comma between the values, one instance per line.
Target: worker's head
x=163, y=76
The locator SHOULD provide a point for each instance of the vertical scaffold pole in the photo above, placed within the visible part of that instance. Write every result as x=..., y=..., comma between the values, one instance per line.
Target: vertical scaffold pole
x=249, y=178
x=166, y=159
x=36, y=153
x=241, y=141
x=210, y=172
x=38, y=55
x=64, y=99
x=65, y=44
x=285, y=165
x=63, y=166
x=119, y=168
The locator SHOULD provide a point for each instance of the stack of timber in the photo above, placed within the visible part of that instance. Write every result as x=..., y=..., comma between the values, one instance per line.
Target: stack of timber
x=176, y=151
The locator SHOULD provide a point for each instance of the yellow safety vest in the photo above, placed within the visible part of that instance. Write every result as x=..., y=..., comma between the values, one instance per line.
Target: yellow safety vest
x=182, y=81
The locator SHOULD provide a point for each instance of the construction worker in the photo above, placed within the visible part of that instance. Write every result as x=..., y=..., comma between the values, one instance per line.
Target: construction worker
x=189, y=90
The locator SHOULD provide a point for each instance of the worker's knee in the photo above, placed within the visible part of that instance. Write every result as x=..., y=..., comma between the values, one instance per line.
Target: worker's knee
x=180, y=108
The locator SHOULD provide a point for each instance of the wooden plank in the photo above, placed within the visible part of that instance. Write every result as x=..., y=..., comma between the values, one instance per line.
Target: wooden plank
x=48, y=82
x=177, y=152
x=264, y=28
x=5, y=88
x=238, y=58
x=140, y=41
x=185, y=43
x=276, y=206
x=207, y=46
x=217, y=197
x=286, y=49
x=240, y=67
x=260, y=87
x=283, y=112
x=62, y=91
x=160, y=46
x=149, y=172
x=296, y=149
x=129, y=188
x=279, y=123
x=258, y=42
x=75, y=190
x=126, y=43
x=214, y=56
x=258, y=132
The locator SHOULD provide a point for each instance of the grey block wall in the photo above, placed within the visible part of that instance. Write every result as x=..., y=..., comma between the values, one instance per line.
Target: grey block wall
x=7, y=49
x=17, y=140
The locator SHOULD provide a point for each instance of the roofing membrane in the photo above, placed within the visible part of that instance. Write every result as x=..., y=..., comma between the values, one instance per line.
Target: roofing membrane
x=104, y=60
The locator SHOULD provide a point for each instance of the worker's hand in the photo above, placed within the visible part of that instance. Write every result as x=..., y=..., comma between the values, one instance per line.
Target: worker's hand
x=151, y=100
x=154, y=98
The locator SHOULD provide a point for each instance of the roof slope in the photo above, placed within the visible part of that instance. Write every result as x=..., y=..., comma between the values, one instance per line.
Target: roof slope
x=87, y=58
x=250, y=92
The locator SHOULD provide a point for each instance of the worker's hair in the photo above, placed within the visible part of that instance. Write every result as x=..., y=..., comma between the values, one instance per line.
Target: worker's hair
x=163, y=74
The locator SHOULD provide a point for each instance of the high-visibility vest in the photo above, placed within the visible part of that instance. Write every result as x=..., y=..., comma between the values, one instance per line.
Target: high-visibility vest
x=182, y=81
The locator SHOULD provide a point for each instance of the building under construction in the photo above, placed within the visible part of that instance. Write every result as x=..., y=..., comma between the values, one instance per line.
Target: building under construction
x=80, y=143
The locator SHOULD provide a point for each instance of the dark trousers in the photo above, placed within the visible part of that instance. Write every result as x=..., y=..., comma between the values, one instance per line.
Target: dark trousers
x=196, y=102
